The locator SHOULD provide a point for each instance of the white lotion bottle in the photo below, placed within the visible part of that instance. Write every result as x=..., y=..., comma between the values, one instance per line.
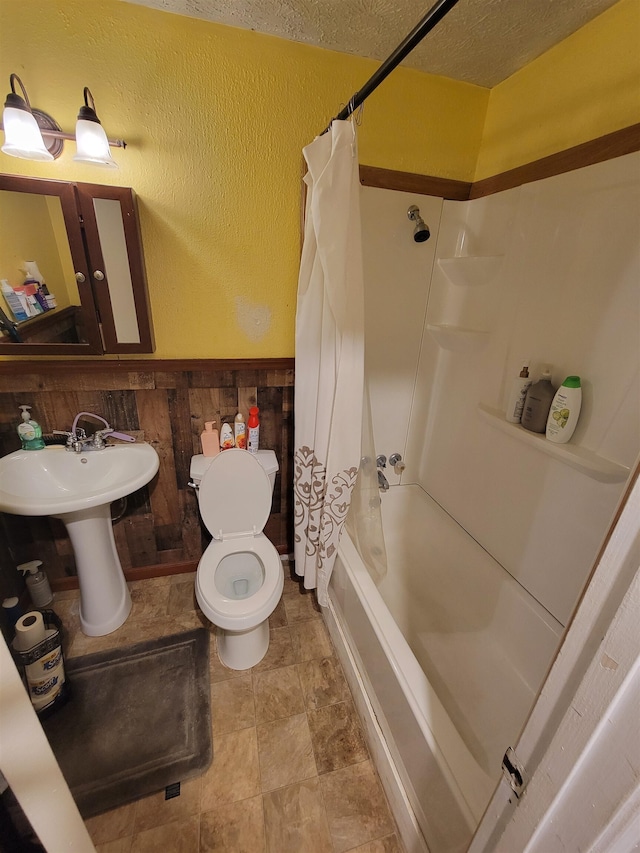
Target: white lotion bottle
x=518, y=392
x=565, y=411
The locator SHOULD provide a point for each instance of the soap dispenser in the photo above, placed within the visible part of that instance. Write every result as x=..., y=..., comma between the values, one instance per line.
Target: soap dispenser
x=210, y=440
x=29, y=431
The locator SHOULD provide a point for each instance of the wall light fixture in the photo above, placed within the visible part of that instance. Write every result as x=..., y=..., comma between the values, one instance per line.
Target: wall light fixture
x=32, y=134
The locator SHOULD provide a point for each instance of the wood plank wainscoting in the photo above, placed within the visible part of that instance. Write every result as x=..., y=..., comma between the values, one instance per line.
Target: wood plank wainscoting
x=163, y=402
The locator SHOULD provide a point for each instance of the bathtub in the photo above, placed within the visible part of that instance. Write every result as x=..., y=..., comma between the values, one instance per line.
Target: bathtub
x=448, y=651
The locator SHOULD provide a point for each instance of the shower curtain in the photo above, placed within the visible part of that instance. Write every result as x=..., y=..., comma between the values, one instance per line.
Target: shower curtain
x=329, y=354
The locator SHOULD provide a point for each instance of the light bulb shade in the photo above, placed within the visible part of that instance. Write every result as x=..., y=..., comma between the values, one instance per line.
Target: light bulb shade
x=22, y=136
x=92, y=145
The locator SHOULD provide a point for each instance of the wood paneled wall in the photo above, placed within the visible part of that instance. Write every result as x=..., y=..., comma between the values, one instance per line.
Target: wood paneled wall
x=165, y=403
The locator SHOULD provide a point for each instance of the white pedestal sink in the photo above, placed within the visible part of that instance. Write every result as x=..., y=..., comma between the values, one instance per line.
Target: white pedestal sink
x=78, y=488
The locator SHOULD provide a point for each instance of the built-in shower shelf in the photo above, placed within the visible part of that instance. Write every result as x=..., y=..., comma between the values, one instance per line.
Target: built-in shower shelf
x=457, y=339
x=471, y=271
x=583, y=460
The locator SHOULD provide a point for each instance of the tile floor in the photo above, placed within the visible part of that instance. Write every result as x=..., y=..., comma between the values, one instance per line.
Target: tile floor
x=291, y=772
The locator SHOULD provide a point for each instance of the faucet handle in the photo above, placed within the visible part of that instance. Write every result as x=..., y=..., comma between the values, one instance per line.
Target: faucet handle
x=381, y=461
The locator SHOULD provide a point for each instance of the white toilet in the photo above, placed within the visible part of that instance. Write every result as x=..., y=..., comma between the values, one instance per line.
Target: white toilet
x=240, y=576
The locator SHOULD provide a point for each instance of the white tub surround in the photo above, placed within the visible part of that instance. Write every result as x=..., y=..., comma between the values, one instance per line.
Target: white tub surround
x=453, y=651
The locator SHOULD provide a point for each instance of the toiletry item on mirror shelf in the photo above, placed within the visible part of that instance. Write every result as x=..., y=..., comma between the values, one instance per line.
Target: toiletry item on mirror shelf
x=210, y=439
x=34, y=289
x=538, y=402
x=240, y=431
x=565, y=411
x=14, y=302
x=518, y=391
x=30, y=431
x=37, y=583
x=226, y=437
x=254, y=429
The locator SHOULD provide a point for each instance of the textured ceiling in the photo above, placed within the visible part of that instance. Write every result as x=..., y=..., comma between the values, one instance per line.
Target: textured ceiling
x=479, y=41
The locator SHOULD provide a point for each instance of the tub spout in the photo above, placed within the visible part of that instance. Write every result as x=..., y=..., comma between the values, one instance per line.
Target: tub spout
x=382, y=481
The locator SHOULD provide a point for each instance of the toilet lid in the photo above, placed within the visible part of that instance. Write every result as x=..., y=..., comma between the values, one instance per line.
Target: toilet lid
x=235, y=495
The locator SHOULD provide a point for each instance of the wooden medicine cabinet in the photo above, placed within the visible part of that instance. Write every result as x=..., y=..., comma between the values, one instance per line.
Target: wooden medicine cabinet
x=86, y=241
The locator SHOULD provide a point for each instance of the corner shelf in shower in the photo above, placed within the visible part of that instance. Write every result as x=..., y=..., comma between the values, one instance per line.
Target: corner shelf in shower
x=586, y=461
x=457, y=339
x=471, y=270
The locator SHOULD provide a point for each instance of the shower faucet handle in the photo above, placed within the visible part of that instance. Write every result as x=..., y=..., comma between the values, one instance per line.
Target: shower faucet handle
x=381, y=461
x=395, y=460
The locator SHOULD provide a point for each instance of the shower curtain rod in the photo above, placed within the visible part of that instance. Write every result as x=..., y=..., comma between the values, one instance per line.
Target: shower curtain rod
x=433, y=17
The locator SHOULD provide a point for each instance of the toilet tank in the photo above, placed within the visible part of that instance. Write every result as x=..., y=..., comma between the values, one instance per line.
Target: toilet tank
x=267, y=458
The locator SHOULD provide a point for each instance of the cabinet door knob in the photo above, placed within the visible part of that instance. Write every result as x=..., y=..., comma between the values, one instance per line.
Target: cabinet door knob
x=80, y=277
x=98, y=275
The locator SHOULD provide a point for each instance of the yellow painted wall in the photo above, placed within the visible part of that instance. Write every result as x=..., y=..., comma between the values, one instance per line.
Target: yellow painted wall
x=216, y=118
x=584, y=87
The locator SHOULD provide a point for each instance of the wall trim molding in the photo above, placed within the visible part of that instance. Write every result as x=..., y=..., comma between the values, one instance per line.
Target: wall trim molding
x=616, y=144
x=142, y=365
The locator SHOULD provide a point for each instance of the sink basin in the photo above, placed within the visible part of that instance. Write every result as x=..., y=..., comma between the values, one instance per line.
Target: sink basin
x=53, y=481
x=78, y=488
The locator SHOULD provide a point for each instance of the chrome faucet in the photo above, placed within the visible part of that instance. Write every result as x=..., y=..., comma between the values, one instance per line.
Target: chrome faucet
x=383, y=483
x=77, y=439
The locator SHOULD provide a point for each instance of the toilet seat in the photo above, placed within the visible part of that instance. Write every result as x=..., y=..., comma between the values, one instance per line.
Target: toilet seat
x=234, y=495
x=235, y=501
x=237, y=614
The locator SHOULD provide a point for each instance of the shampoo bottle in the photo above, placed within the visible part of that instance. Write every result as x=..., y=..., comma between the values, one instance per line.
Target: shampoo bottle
x=240, y=431
x=565, y=410
x=538, y=402
x=254, y=429
x=37, y=583
x=210, y=440
x=29, y=431
x=518, y=391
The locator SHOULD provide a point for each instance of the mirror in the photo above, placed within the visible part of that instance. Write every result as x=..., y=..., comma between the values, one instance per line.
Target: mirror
x=86, y=243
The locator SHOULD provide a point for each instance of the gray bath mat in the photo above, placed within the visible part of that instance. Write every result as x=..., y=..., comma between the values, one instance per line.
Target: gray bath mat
x=137, y=721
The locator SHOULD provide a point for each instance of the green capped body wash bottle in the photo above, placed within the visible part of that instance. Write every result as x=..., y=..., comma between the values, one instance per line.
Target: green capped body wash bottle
x=29, y=431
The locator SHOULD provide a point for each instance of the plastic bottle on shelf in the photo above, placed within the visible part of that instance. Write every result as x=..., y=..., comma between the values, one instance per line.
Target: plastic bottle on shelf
x=37, y=583
x=210, y=439
x=254, y=429
x=226, y=437
x=565, y=411
x=538, y=402
x=518, y=391
x=240, y=431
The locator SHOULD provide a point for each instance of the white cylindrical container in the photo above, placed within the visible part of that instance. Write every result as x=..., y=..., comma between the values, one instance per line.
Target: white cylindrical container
x=518, y=392
x=565, y=410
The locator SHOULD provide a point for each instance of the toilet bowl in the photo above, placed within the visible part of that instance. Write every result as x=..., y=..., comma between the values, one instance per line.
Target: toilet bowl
x=239, y=579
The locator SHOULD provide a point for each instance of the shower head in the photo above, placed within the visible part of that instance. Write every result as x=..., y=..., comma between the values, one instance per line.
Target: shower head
x=421, y=231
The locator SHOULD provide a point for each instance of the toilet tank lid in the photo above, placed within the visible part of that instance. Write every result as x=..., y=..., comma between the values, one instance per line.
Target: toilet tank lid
x=200, y=463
